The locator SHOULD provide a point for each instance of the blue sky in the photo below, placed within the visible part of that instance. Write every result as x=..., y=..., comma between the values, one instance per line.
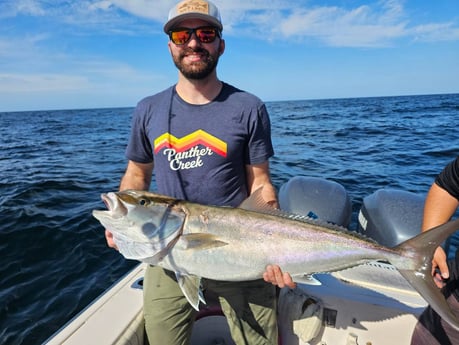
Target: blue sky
x=65, y=54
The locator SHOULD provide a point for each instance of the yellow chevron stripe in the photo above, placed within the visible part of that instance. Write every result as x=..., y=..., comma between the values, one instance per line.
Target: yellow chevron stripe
x=190, y=140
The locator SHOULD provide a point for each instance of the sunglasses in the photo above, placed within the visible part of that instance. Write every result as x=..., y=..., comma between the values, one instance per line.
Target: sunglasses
x=204, y=34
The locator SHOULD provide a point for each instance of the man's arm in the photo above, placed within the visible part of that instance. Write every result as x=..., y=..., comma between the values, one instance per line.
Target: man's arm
x=438, y=209
x=258, y=176
x=137, y=176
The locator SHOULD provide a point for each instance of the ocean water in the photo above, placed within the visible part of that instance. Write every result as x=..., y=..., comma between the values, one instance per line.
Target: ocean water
x=54, y=165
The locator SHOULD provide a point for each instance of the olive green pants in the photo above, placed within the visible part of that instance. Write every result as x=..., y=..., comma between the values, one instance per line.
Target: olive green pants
x=250, y=309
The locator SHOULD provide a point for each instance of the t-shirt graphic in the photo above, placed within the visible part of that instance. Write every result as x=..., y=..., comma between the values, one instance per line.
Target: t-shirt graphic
x=187, y=152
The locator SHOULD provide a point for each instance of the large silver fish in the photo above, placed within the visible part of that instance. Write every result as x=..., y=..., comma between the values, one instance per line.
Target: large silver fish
x=236, y=244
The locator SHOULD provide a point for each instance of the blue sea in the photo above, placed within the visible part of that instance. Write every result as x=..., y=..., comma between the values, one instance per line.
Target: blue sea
x=54, y=165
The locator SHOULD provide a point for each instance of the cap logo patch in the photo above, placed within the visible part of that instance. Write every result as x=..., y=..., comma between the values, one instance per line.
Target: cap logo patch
x=197, y=6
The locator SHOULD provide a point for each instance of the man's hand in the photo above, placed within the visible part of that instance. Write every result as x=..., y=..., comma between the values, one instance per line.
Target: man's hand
x=274, y=275
x=438, y=209
x=440, y=270
x=110, y=241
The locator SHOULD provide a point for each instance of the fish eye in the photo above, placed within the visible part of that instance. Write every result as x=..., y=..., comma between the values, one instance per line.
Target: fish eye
x=143, y=202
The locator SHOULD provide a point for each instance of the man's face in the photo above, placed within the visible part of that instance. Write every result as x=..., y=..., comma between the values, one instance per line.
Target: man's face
x=194, y=59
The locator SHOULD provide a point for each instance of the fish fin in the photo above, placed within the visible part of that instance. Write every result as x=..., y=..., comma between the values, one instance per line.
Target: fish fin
x=423, y=247
x=200, y=241
x=156, y=258
x=256, y=203
x=191, y=288
x=432, y=295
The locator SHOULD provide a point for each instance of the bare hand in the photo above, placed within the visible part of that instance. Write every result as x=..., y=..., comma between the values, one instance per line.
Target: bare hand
x=440, y=270
x=274, y=275
x=110, y=242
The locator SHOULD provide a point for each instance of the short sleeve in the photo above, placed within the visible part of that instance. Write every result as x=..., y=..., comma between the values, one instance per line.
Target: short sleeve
x=448, y=179
x=260, y=147
x=139, y=148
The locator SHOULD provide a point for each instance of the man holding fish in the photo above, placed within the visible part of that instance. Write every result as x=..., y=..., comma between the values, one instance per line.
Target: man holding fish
x=208, y=142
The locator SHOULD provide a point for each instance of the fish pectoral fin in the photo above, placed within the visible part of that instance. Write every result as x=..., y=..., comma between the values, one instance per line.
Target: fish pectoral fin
x=191, y=288
x=200, y=241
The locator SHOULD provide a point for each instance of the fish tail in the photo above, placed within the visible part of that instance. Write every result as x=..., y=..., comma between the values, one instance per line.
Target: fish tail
x=422, y=248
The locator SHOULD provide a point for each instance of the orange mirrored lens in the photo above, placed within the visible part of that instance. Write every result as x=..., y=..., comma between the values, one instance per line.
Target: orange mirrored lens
x=180, y=37
x=204, y=35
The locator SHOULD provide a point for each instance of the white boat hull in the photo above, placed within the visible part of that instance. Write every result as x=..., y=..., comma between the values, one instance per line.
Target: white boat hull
x=115, y=318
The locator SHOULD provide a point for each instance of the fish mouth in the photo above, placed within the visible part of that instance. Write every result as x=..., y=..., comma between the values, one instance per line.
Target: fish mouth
x=114, y=205
x=108, y=201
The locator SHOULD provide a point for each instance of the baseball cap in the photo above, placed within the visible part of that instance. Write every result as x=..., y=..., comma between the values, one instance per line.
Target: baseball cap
x=193, y=9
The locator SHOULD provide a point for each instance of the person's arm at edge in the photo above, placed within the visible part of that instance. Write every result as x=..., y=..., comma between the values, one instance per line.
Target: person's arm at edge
x=258, y=176
x=137, y=176
x=438, y=209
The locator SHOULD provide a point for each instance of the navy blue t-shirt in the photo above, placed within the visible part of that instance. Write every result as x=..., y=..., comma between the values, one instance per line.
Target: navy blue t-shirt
x=200, y=151
x=448, y=179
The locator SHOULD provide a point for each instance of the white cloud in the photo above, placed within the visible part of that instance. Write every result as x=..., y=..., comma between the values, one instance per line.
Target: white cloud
x=337, y=26
x=435, y=32
x=9, y=8
x=156, y=10
x=86, y=15
x=100, y=5
x=359, y=27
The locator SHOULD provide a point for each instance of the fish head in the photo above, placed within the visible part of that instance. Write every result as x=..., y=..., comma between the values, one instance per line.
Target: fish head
x=143, y=223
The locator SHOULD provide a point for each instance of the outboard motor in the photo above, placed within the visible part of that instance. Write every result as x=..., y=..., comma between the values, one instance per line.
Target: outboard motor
x=316, y=198
x=391, y=216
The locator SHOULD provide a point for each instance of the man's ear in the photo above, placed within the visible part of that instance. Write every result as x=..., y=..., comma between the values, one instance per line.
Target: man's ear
x=221, y=48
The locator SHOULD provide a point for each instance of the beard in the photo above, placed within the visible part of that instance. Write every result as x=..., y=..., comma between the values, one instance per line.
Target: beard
x=196, y=70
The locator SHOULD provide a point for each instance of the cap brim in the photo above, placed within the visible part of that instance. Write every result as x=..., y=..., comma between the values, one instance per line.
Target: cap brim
x=174, y=21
